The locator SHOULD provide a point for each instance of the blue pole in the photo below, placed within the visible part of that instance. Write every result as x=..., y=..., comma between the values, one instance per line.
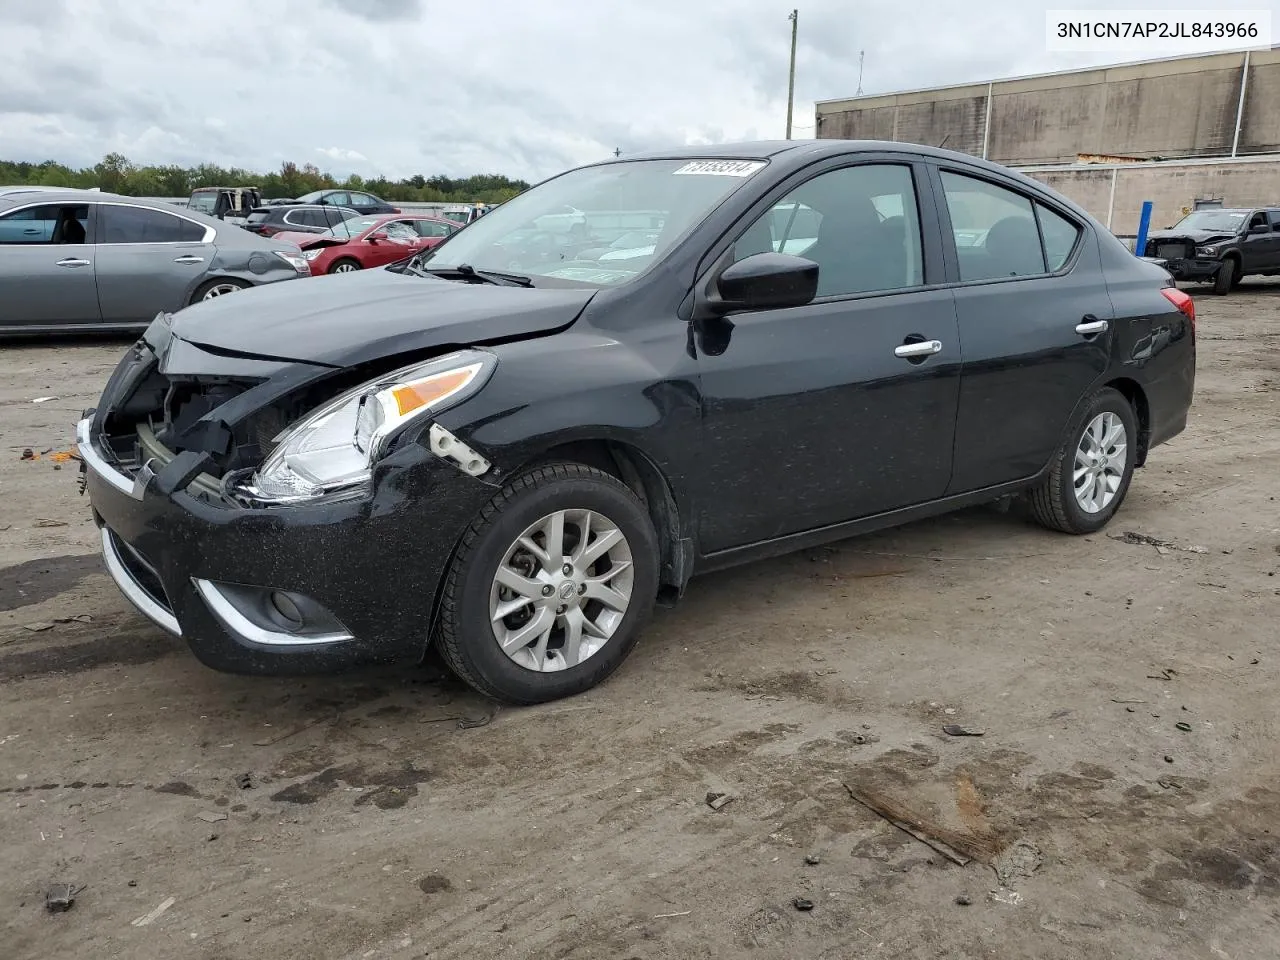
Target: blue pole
x=1144, y=224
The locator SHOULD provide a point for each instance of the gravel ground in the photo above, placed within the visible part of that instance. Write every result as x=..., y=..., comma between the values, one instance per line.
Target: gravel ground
x=1124, y=800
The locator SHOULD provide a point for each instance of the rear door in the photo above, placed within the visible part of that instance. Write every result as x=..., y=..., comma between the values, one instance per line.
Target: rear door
x=1035, y=323
x=1259, y=251
x=844, y=407
x=47, y=266
x=148, y=261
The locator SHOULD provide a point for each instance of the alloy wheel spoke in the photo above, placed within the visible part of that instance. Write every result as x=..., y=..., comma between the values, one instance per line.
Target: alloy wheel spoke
x=573, y=621
x=531, y=545
x=507, y=607
x=602, y=544
x=555, y=538
x=518, y=583
x=597, y=589
x=540, y=627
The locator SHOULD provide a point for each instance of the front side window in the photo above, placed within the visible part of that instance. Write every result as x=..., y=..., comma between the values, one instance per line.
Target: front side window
x=54, y=223
x=995, y=230
x=543, y=231
x=859, y=224
x=400, y=230
x=352, y=227
x=1259, y=220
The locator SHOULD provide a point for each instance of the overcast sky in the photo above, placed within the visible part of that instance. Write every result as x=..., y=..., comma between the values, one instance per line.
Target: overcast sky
x=397, y=87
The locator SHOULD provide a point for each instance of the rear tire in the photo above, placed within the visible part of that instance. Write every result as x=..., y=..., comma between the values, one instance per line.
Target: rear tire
x=545, y=662
x=1092, y=469
x=1226, y=278
x=344, y=265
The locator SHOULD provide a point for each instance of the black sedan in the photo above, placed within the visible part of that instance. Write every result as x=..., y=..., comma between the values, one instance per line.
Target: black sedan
x=512, y=453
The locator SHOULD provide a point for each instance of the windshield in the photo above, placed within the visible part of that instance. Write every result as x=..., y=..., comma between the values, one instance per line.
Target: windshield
x=551, y=230
x=350, y=228
x=1227, y=221
x=203, y=202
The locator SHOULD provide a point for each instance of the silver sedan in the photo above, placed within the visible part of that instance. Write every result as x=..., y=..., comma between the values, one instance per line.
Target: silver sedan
x=81, y=260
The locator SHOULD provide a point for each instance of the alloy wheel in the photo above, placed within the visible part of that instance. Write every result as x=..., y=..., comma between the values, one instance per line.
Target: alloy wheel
x=561, y=590
x=345, y=268
x=219, y=290
x=1101, y=458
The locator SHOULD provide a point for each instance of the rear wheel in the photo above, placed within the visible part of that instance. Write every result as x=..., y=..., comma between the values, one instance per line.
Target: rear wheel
x=1227, y=277
x=217, y=288
x=1092, y=470
x=345, y=265
x=550, y=587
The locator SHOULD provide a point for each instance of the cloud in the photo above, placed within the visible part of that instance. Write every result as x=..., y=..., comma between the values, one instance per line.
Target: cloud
x=340, y=154
x=494, y=86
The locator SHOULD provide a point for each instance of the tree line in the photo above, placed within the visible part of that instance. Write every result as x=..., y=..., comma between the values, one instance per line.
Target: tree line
x=116, y=174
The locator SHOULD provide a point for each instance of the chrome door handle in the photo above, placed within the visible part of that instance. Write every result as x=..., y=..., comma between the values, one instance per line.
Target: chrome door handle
x=1090, y=327
x=926, y=348
x=189, y=259
x=74, y=262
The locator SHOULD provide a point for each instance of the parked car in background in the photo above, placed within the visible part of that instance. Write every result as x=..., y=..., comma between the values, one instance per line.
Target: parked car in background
x=1220, y=245
x=231, y=204
x=84, y=260
x=364, y=242
x=361, y=202
x=309, y=218
x=512, y=455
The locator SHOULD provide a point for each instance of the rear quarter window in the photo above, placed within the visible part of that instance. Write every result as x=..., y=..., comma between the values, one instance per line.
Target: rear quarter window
x=1060, y=237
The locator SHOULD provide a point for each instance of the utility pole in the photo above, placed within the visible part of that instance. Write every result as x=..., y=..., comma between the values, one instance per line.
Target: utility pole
x=791, y=79
x=861, y=55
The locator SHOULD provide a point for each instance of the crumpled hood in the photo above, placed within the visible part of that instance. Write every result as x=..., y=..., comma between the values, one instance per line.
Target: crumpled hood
x=351, y=318
x=1195, y=236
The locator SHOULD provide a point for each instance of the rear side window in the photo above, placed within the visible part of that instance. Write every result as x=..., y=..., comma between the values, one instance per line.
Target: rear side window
x=258, y=216
x=1274, y=216
x=995, y=230
x=142, y=225
x=1060, y=236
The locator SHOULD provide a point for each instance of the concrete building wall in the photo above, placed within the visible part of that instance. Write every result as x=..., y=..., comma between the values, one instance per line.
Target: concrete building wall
x=1183, y=107
x=1170, y=187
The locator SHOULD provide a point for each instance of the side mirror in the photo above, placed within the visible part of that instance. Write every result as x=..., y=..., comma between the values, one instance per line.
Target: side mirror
x=767, y=281
x=377, y=235
x=1260, y=228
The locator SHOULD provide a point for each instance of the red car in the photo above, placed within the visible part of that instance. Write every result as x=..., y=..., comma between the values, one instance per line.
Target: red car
x=364, y=242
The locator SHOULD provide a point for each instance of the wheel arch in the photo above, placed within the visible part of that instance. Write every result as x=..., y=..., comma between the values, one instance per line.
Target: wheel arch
x=628, y=463
x=1132, y=391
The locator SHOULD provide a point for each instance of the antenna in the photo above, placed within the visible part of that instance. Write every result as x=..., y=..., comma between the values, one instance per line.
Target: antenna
x=861, y=54
x=617, y=151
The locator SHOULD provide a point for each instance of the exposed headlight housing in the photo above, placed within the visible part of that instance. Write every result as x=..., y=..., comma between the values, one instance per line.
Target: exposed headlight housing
x=310, y=255
x=1207, y=251
x=332, y=450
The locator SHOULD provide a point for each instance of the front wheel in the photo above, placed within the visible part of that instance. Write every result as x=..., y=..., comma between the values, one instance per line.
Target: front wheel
x=1227, y=277
x=345, y=265
x=1092, y=470
x=550, y=586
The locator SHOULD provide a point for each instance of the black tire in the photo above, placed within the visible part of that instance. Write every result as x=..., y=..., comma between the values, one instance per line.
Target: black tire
x=1226, y=278
x=343, y=262
x=204, y=288
x=464, y=636
x=1053, y=502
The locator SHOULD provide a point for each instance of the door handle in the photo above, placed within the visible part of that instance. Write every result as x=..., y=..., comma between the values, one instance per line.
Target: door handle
x=1088, y=328
x=74, y=262
x=189, y=259
x=925, y=348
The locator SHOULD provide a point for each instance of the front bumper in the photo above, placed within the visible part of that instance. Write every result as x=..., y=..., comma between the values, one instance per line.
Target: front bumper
x=1193, y=269
x=199, y=566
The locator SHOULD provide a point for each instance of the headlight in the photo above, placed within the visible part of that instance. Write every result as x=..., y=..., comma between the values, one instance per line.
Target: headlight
x=310, y=255
x=296, y=260
x=333, y=448
x=1206, y=251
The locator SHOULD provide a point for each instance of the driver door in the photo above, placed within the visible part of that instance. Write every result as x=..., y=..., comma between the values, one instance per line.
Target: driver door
x=815, y=415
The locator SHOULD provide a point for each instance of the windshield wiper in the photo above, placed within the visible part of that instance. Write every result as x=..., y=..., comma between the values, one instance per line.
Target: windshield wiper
x=468, y=272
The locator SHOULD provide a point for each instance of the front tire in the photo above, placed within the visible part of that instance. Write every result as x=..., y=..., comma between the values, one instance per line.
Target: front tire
x=344, y=265
x=1227, y=277
x=550, y=587
x=1092, y=469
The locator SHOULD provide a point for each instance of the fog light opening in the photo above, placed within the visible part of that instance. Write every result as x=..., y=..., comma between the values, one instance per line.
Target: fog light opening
x=283, y=604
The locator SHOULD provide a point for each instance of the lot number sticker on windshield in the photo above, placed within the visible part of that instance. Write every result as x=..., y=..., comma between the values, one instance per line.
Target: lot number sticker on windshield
x=722, y=168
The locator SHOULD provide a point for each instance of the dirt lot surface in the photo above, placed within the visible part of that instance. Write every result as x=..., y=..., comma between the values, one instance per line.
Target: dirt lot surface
x=1123, y=802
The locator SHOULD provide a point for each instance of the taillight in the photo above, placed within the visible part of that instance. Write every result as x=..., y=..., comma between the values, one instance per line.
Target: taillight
x=1186, y=306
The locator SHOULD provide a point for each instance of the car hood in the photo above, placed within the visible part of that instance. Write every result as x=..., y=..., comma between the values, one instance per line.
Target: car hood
x=347, y=319
x=1196, y=236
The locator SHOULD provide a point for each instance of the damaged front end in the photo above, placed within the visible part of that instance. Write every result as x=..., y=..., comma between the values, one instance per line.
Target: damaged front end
x=270, y=511
x=261, y=431
x=1187, y=257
